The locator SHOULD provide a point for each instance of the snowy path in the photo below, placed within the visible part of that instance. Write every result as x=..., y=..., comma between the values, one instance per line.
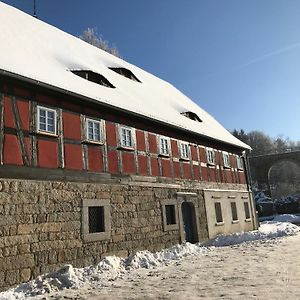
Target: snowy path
x=267, y=269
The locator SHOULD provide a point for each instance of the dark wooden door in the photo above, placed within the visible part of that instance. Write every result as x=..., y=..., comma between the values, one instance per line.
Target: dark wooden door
x=189, y=222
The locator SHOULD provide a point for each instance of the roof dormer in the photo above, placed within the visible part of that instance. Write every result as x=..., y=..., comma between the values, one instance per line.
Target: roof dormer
x=126, y=73
x=93, y=77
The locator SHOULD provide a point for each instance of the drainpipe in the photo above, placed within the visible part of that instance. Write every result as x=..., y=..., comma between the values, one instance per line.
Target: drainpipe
x=255, y=222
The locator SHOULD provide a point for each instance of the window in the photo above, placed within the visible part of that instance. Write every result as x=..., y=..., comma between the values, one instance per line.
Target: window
x=46, y=120
x=191, y=115
x=234, y=211
x=126, y=73
x=170, y=214
x=226, y=160
x=247, y=211
x=93, y=130
x=93, y=77
x=164, y=148
x=239, y=161
x=126, y=137
x=210, y=156
x=218, y=210
x=184, y=151
x=96, y=220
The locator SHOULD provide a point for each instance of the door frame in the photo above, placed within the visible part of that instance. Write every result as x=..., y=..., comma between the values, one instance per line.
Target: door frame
x=193, y=199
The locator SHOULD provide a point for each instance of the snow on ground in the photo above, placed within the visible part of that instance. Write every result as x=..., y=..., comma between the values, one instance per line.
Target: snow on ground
x=111, y=271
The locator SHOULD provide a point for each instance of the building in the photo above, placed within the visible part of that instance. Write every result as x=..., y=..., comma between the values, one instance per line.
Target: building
x=100, y=157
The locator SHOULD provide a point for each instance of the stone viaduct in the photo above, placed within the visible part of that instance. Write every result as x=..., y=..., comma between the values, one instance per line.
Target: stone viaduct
x=260, y=167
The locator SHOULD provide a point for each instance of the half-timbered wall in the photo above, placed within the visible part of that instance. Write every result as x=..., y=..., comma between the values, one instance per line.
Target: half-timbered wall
x=22, y=145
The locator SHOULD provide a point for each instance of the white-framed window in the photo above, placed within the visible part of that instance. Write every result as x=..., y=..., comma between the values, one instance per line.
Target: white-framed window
x=164, y=146
x=184, y=150
x=210, y=156
x=239, y=162
x=226, y=160
x=94, y=130
x=46, y=120
x=126, y=137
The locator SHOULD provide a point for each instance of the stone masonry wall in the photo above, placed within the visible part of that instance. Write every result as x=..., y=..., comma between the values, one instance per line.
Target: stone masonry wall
x=41, y=224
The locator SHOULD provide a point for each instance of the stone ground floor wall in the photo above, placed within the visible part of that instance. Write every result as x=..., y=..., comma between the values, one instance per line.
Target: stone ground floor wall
x=45, y=224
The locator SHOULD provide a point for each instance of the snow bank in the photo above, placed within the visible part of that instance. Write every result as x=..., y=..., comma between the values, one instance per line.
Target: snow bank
x=111, y=268
x=267, y=230
x=295, y=219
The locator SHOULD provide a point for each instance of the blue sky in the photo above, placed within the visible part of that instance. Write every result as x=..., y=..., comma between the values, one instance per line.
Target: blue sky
x=239, y=60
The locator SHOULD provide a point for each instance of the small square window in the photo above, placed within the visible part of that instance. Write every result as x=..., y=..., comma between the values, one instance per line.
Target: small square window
x=247, y=210
x=164, y=148
x=184, y=150
x=93, y=130
x=210, y=156
x=234, y=211
x=46, y=120
x=126, y=137
x=170, y=214
x=239, y=161
x=218, y=210
x=226, y=160
x=96, y=220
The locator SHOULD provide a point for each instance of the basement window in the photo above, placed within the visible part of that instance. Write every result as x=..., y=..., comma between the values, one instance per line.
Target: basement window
x=234, y=212
x=170, y=214
x=93, y=77
x=46, y=120
x=126, y=73
x=218, y=211
x=247, y=211
x=191, y=115
x=96, y=220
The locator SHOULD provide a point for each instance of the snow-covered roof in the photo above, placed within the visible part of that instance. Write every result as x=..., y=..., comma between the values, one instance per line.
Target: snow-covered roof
x=35, y=50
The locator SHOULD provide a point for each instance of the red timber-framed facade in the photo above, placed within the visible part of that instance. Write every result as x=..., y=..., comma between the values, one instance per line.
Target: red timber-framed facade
x=82, y=178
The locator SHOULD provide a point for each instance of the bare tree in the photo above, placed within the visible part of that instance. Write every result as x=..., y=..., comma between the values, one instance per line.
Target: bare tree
x=91, y=36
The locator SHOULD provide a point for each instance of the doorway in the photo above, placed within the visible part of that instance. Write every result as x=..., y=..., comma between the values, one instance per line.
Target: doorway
x=189, y=222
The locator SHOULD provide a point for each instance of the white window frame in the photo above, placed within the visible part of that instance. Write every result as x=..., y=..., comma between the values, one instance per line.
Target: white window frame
x=210, y=156
x=45, y=131
x=184, y=151
x=239, y=162
x=226, y=160
x=93, y=140
x=128, y=129
x=161, y=146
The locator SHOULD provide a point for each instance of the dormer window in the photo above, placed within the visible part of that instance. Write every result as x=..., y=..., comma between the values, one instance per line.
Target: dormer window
x=93, y=77
x=126, y=73
x=191, y=115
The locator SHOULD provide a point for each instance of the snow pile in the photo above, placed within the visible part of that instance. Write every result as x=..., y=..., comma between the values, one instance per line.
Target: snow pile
x=267, y=230
x=295, y=219
x=111, y=268
x=260, y=197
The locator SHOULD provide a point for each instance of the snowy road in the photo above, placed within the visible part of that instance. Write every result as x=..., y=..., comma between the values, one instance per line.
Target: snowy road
x=267, y=269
